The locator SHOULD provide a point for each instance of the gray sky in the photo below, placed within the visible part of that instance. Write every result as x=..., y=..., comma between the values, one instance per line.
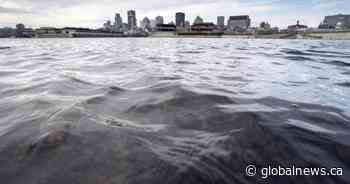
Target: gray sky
x=93, y=13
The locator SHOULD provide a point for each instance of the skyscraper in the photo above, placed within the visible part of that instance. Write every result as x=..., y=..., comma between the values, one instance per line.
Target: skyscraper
x=132, y=20
x=159, y=20
x=118, y=22
x=180, y=19
x=221, y=21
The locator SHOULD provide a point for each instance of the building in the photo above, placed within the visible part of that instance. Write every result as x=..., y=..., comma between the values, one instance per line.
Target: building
x=118, y=22
x=7, y=32
x=180, y=19
x=205, y=26
x=205, y=29
x=339, y=21
x=72, y=32
x=132, y=20
x=23, y=32
x=159, y=20
x=108, y=25
x=238, y=23
x=221, y=21
x=198, y=20
x=165, y=30
x=49, y=32
x=146, y=24
x=297, y=27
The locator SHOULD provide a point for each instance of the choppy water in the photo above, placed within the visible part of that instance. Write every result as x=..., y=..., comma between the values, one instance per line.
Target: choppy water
x=171, y=110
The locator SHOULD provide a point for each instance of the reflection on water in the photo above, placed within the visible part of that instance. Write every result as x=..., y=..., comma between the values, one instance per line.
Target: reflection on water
x=171, y=110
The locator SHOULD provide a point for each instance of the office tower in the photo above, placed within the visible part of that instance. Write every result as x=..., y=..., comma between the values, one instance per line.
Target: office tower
x=132, y=20
x=159, y=20
x=118, y=22
x=180, y=19
x=221, y=21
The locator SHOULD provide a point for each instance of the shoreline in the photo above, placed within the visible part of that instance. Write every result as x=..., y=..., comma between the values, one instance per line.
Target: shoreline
x=317, y=35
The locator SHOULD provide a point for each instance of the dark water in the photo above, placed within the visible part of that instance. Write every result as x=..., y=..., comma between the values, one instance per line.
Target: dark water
x=171, y=111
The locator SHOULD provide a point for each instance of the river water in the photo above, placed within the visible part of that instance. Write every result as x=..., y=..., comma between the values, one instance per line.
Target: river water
x=148, y=110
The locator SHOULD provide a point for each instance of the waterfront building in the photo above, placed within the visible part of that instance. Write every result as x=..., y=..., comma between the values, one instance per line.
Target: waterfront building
x=205, y=29
x=132, y=20
x=118, y=22
x=198, y=20
x=23, y=32
x=205, y=26
x=221, y=21
x=238, y=23
x=339, y=21
x=159, y=20
x=180, y=19
x=49, y=32
x=72, y=32
x=146, y=24
x=7, y=32
x=297, y=27
x=164, y=30
x=108, y=25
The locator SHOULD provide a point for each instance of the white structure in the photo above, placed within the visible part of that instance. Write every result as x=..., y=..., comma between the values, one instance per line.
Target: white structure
x=238, y=23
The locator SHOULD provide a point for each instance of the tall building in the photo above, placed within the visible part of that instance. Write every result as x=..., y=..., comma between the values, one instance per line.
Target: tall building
x=180, y=19
x=336, y=21
x=118, y=22
x=221, y=21
x=198, y=20
x=238, y=23
x=132, y=20
x=159, y=20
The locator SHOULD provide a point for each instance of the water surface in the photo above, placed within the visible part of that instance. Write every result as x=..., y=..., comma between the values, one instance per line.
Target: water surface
x=146, y=110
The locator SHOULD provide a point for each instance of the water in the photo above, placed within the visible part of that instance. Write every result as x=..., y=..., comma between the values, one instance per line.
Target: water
x=144, y=110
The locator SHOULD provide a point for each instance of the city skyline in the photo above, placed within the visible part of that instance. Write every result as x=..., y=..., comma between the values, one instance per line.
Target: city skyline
x=91, y=13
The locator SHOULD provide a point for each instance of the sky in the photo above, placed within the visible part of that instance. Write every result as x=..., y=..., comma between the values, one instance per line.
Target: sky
x=93, y=13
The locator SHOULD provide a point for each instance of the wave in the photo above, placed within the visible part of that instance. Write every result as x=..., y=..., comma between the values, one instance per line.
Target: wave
x=170, y=117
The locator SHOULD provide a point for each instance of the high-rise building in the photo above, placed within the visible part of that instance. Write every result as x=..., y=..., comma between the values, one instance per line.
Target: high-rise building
x=198, y=20
x=118, y=22
x=180, y=19
x=221, y=21
x=159, y=20
x=132, y=20
x=238, y=23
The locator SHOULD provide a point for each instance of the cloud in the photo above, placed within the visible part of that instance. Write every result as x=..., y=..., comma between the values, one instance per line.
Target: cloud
x=92, y=13
x=5, y=10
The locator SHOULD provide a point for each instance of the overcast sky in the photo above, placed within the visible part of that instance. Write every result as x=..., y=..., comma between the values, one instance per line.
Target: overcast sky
x=93, y=13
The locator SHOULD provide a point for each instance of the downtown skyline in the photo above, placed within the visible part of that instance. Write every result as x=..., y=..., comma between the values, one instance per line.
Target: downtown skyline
x=91, y=13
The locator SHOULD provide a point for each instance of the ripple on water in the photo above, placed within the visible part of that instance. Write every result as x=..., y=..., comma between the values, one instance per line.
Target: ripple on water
x=174, y=110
